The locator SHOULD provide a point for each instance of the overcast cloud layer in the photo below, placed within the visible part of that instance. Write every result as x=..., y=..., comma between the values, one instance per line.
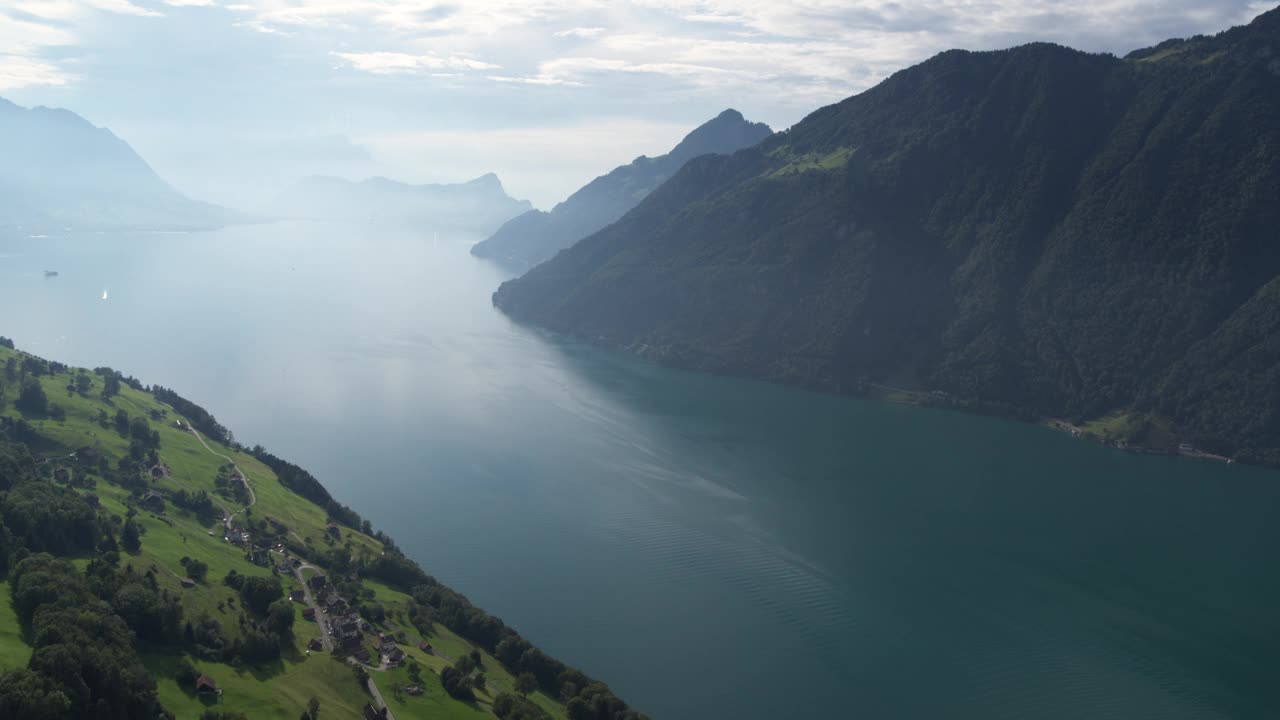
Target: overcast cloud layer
x=547, y=94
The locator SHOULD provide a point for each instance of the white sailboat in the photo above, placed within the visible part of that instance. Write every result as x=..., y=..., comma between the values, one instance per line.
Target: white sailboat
x=104, y=294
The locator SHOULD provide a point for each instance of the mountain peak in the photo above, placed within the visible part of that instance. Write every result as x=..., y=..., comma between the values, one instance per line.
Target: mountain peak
x=721, y=135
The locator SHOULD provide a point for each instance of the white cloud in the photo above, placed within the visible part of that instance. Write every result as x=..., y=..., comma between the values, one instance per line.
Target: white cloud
x=391, y=63
x=20, y=72
x=581, y=32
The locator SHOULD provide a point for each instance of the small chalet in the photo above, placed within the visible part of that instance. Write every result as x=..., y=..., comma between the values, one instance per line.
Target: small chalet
x=362, y=655
x=309, y=613
x=396, y=656
x=333, y=530
x=315, y=644
x=188, y=583
x=297, y=595
x=387, y=638
x=351, y=642
x=206, y=686
x=372, y=713
x=414, y=689
x=425, y=646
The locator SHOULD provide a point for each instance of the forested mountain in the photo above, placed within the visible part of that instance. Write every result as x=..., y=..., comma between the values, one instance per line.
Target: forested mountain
x=536, y=235
x=1035, y=230
x=479, y=205
x=59, y=171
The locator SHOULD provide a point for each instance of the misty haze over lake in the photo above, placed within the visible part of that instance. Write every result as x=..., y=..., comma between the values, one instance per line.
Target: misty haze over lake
x=782, y=553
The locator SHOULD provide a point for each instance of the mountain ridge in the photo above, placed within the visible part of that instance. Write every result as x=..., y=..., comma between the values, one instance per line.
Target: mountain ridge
x=477, y=205
x=62, y=170
x=536, y=235
x=1036, y=231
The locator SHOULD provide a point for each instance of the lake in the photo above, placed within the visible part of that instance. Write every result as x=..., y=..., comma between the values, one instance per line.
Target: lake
x=712, y=548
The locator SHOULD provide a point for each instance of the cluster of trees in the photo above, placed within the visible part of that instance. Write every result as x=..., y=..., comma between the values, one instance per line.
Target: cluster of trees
x=268, y=626
x=199, y=418
x=305, y=484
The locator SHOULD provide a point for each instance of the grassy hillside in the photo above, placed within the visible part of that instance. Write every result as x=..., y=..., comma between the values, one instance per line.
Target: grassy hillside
x=79, y=445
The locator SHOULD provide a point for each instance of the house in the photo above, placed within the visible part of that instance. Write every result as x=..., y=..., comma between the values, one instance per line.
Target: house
x=414, y=689
x=188, y=583
x=425, y=647
x=372, y=713
x=157, y=472
x=396, y=656
x=296, y=563
x=153, y=501
x=315, y=644
x=385, y=638
x=361, y=654
x=352, y=643
x=309, y=613
x=336, y=605
x=206, y=686
x=333, y=530
x=317, y=581
x=297, y=595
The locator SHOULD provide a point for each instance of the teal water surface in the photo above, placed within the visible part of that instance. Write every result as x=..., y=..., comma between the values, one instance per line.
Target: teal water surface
x=713, y=548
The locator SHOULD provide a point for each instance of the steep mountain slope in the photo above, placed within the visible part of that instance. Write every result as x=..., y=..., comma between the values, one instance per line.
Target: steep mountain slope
x=536, y=235
x=1034, y=230
x=59, y=170
x=479, y=205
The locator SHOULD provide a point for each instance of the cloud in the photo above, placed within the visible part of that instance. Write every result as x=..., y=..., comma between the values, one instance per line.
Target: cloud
x=581, y=32
x=19, y=72
x=392, y=63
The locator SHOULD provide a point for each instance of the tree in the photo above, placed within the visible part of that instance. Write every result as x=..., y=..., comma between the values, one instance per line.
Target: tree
x=479, y=681
x=280, y=618
x=110, y=385
x=197, y=570
x=526, y=684
x=84, y=383
x=57, y=413
x=578, y=709
x=361, y=675
x=130, y=538
x=503, y=704
x=313, y=708
x=186, y=673
x=32, y=400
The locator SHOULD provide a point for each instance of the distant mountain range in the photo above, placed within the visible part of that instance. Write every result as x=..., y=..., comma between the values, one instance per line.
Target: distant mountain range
x=480, y=205
x=57, y=170
x=536, y=236
x=1034, y=231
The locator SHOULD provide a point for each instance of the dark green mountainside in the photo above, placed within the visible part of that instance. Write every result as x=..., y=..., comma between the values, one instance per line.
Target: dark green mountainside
x=535, y=236
x=1037, y=231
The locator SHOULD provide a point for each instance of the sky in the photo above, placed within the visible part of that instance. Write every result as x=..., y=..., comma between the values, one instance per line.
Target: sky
x=230, y=100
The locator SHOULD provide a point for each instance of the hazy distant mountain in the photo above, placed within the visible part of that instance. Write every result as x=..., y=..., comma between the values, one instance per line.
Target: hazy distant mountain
x=536, y=235
x=1034, y=230
x=479, y=205
x=57, y=170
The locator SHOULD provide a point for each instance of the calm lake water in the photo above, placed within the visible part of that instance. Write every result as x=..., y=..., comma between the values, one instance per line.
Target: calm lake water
x=712, y=548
